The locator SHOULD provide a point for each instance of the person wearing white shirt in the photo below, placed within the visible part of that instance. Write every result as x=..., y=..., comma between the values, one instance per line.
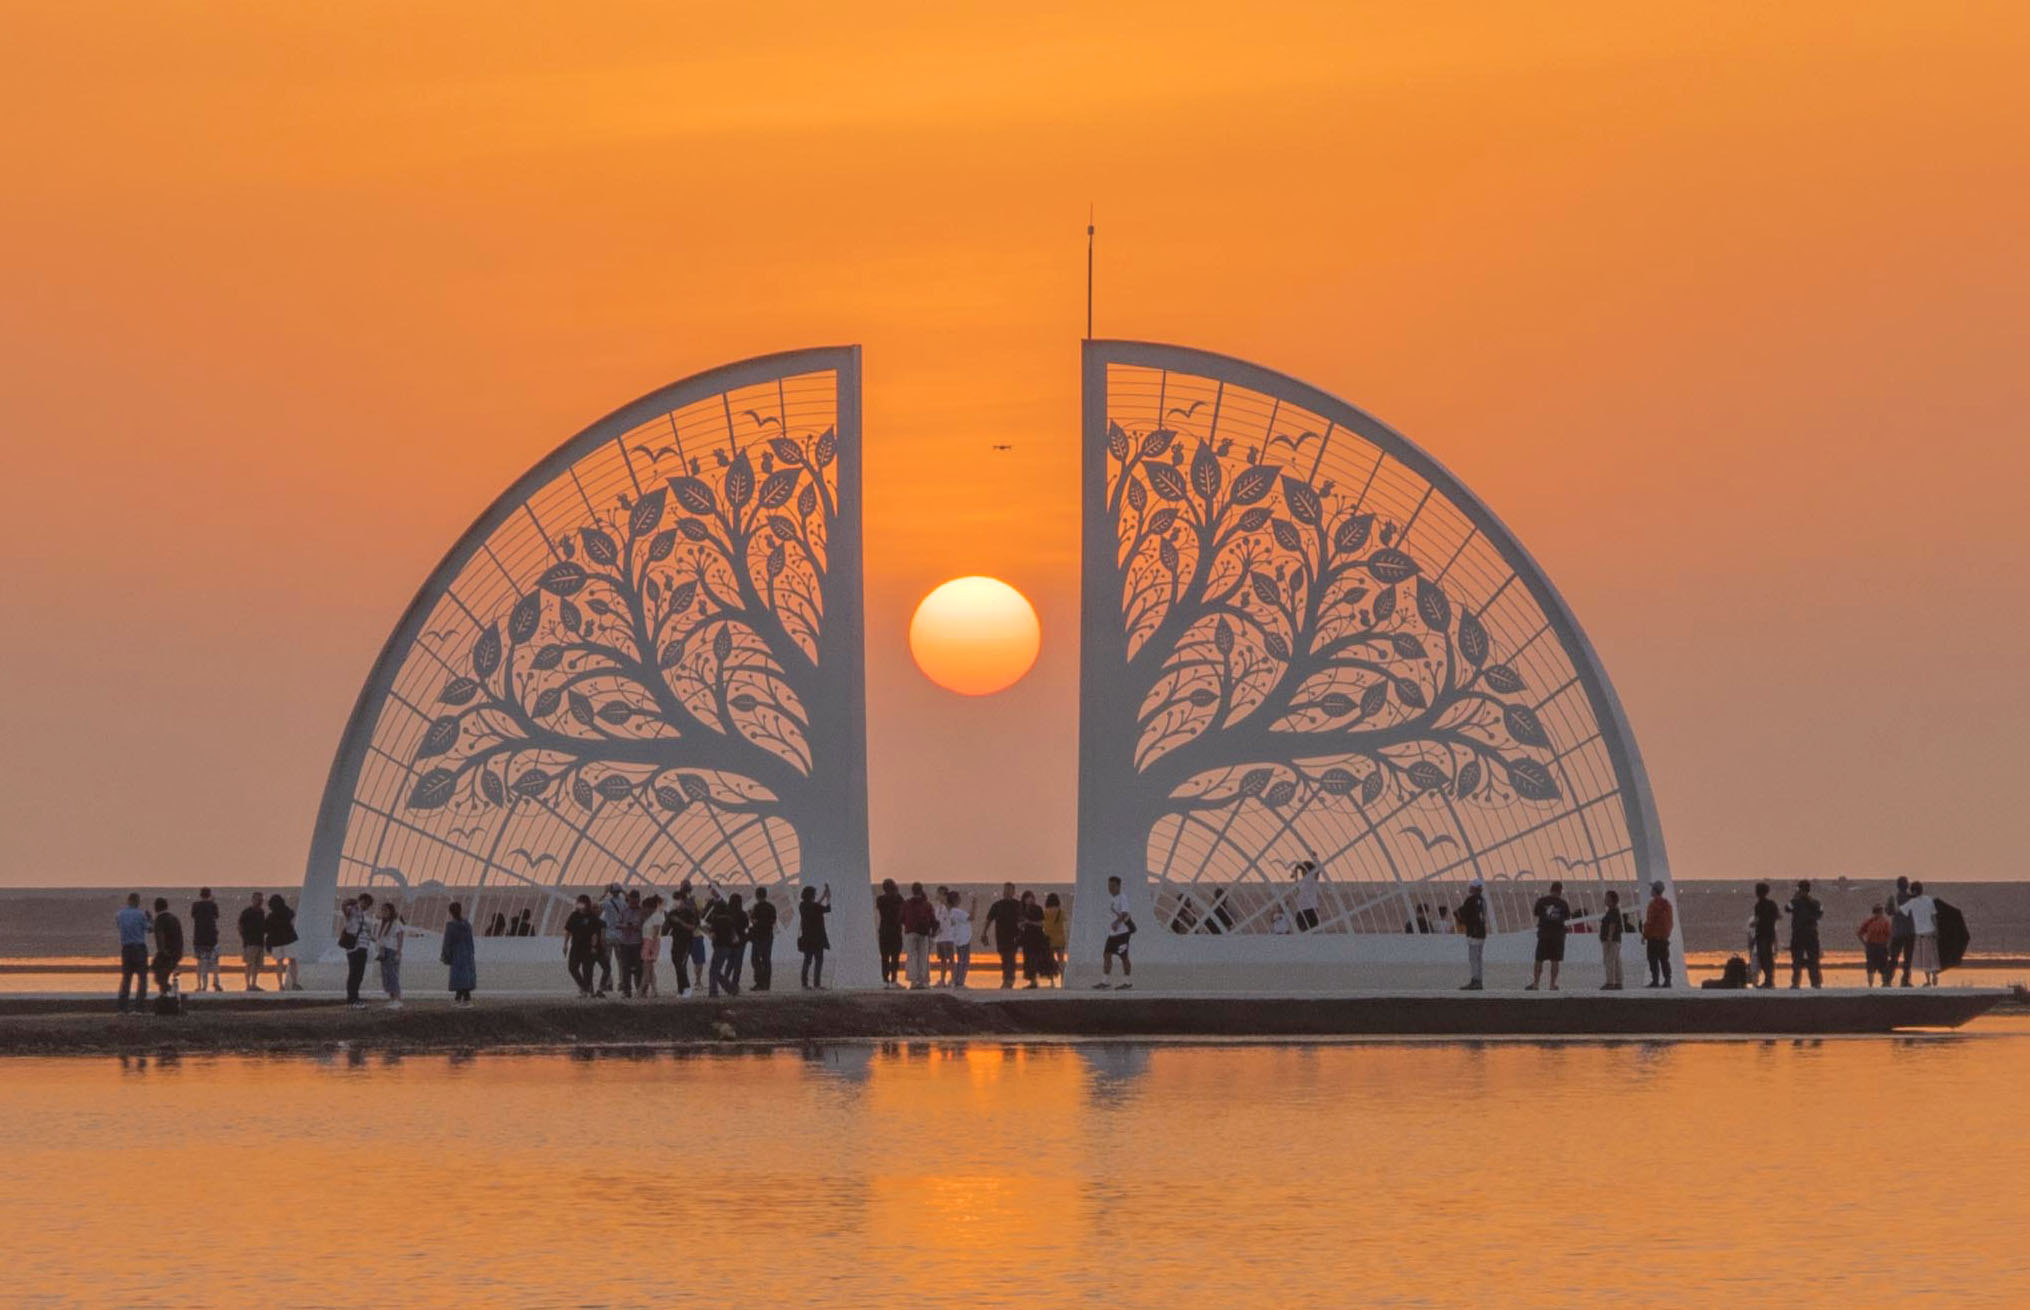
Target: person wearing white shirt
x=389, y=936
x=941, y=942
x=955, y=933
x=1306, y=874
x=1923, y=912
x=1120, y=929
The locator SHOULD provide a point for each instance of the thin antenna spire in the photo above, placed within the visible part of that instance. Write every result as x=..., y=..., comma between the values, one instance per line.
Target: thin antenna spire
x=1089, y=272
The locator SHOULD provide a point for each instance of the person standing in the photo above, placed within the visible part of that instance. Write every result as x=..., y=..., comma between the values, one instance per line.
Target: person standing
x=169, y=944
x=1056, y=926
x=680, y=925
x=389, y=936
x=812, y=939
x=919, y=926
x=1553, y=912
x=941, y=942
x=1120, y=932
x=1305, y=872
x=1902, y=935
x=253, y=926
x=1472, y=920
x=584, y=945
x=888, y=932
x=611, y=911
x=628, y=949
x=1923, y=912
x=1658, y=920
x=459, y=954
x=728, y=925
x=1874, y=935
x=761, y=921
x=132, y=923
x=650, y=949
x=958, y=922
x=280, y=933
x=1610, y=942
x=1004, y=925
x=355, y=939
x=204, y=939
x=1038, y=961
x=1805, y=913
x=1762, y=935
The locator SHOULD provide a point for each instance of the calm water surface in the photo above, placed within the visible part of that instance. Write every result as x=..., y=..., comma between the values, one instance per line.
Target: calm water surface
x=1692, y=1173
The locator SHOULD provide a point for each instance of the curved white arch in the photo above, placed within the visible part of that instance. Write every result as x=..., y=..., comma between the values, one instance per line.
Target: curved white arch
x=1304, y=637
x=643, y=662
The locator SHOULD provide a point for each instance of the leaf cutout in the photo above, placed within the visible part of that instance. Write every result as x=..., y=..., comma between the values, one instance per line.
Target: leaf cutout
x=1279, y=795
x=1352, y=533
x=1138, y=495
x=780, y=486
x=826, y=449
x=1254, y=782
x=547, y=702
x=745, y=703
x=647, y=513
x=433, y=789
x=1433, y=606
x=486, y=652
x=1117, y=441
x=1472, y=638
x=1302, y=499
x=807, y=500
x=1254, y=483
x=1285, y=533
x=1265, y=589
x=548, y=657
x=1531, y=780
x=1524, y=725
x=787, y=450
x=683, y=594
x=1161, y=521
x=616, y=711
x=1223, y=638
x=1203, y=698
x=531, y=782
x=1166, y=554
x=1406, y=646
x=1337, y=704
x=563, y=578
x=739, y=484
x=1503, y=679
x=525, y=617
x=1468, y=780
x=1157, y=442
x=1253, y=520
x=1336, y=782
x=722, y=643
x=1391, y=566
x=1372, y=786
x=1384, y=604
x=1276, y=646
x=1166, y=482
x=694, y=786
x=581, y=708
x=693, y=495
x=581, y=791
x=491, y=788
x=568, y=615
x=599, y=548
x=614, y=787
x=1426, y=776
x=1373, y=699
x=671, y=798
x=441, y=736
x=1206, y=474
x=458, y=691
x=1410, y=694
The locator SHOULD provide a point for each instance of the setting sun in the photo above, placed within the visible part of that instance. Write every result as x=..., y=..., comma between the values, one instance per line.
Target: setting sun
x=975, y=636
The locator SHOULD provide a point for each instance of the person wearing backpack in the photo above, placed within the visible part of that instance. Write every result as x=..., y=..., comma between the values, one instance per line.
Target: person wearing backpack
x=1805, y=913
x=1611, y=929
x=1657, y=921
x=919, y=927
x=1472, y=920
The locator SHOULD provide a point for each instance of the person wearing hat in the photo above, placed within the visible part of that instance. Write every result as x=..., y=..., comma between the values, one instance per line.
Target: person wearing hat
x=1472, y=920
x=1657, y=921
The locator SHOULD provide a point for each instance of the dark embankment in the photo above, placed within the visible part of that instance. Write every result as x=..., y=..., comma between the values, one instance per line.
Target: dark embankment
x=50, y=1027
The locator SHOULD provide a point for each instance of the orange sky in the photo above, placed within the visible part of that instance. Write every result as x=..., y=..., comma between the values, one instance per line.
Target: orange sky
x=1721, y=307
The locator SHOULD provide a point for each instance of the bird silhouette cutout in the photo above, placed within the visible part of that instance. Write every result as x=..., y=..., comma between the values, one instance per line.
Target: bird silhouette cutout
x=1003, y=446
x=534, y=861
x=441, y=634
x=1185, y=410
x=1570, y=866
x=761, y=419
x=1430, y=843
x=472, y=831
x=1295, y=443
x=659, y=454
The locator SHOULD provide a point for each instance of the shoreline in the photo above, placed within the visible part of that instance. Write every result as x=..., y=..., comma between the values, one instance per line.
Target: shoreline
x=313, y=1024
